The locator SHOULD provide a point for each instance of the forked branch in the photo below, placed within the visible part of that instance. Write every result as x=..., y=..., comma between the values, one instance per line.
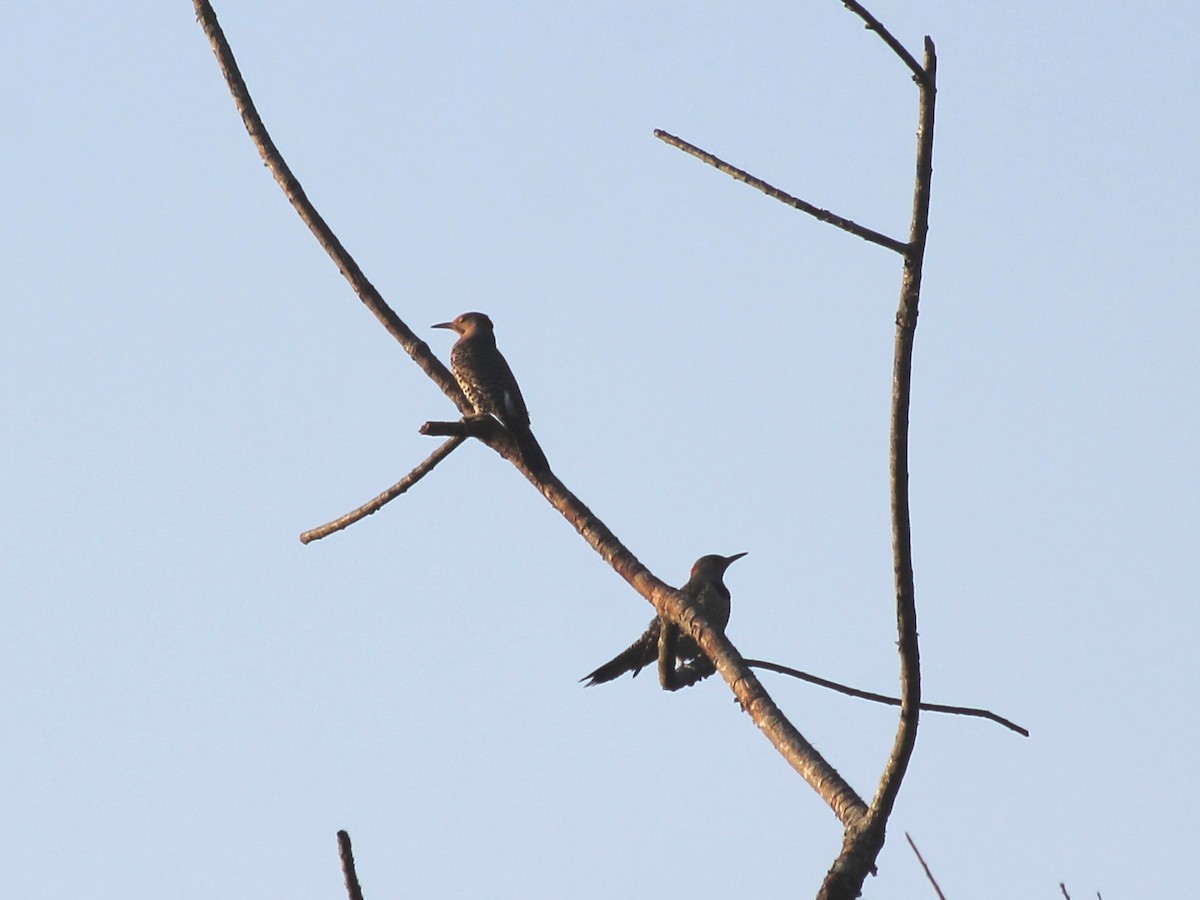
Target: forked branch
x=864, y=839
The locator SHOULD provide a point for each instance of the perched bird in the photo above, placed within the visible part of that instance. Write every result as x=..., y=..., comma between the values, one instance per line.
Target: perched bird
x=488, y=382
x=707, y=590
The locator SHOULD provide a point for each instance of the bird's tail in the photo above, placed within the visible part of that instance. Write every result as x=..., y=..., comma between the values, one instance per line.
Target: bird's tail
x=531, y=450
x=640, y=654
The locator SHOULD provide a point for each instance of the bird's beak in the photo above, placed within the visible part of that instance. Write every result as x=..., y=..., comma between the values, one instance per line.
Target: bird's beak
x=731, y=559
x=449, y=325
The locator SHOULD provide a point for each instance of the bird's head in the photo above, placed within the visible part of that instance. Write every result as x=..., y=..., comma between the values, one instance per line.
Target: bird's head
x=468, y=324
x=713, y=565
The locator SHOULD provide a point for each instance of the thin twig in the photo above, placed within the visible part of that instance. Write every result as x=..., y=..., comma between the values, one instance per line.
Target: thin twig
x=919, y=74
x=371, y=506
x=883, y=698
x=353, y=888
x=816, y=212
x=924, y=866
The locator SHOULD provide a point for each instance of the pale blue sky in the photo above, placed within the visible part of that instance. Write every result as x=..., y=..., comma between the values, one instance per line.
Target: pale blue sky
x=194, y=702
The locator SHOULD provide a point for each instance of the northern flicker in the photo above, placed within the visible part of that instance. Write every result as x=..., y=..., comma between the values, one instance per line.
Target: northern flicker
x=488, y=382
x=707, y=590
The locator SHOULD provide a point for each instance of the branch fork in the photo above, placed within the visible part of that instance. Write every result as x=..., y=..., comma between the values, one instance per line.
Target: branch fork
x=864, y=825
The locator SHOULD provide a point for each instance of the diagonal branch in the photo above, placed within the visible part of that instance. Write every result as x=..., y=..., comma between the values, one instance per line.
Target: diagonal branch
x=375, y=504
x=669, y=603
x=925, y=866
x=920, y=75
x=751, y=695
x=804, y=206
x=415, y=347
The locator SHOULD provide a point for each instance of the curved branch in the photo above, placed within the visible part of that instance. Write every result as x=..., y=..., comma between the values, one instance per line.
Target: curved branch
x=375, y=504
x=749, y=692
x=883, y=698
x=414, y=346
x=906, y=326
x=861, y=845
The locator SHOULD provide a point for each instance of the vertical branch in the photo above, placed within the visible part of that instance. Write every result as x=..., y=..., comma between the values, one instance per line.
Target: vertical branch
x=906, y=326
x=862, y=843
x=346, y=852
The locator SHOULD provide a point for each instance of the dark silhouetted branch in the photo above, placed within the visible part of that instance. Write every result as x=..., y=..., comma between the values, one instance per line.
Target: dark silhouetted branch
x=816, y=212
x=861, y=844
x=921, y=860
x=883, y=698
x=920, y=75
x=353, y=888
x=386, y=497
x=669, y=603
x=416, y=348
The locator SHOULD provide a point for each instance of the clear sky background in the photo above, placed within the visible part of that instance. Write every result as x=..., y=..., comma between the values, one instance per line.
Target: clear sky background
x=193, y=702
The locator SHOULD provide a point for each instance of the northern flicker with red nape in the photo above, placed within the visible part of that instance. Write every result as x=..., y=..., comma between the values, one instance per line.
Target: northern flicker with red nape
x=487, y=381
x=706, y=588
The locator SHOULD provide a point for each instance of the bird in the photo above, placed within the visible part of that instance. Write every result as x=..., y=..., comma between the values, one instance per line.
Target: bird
x=488, y=383
x=706, y=589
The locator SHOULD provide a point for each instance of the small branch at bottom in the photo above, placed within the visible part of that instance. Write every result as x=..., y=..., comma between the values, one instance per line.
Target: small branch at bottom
x=353, y=888
x=921, y=860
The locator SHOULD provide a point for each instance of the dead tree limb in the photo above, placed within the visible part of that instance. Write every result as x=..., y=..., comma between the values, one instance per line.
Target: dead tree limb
x=863, y=842
x=822, y=215
x=864, y=838
x=377, y=503
x=883, y=698
x=668, y=602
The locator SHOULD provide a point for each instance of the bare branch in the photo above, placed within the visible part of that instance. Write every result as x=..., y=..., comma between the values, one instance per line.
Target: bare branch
x=906, y=326
x=883, y=698
x=416, y=348
x=861, y=846
x=751, y=695
x=353, y=888
x=921, y=860
x=873, y=24
x=804, y=206
x=754, y=699
x=387, y=496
